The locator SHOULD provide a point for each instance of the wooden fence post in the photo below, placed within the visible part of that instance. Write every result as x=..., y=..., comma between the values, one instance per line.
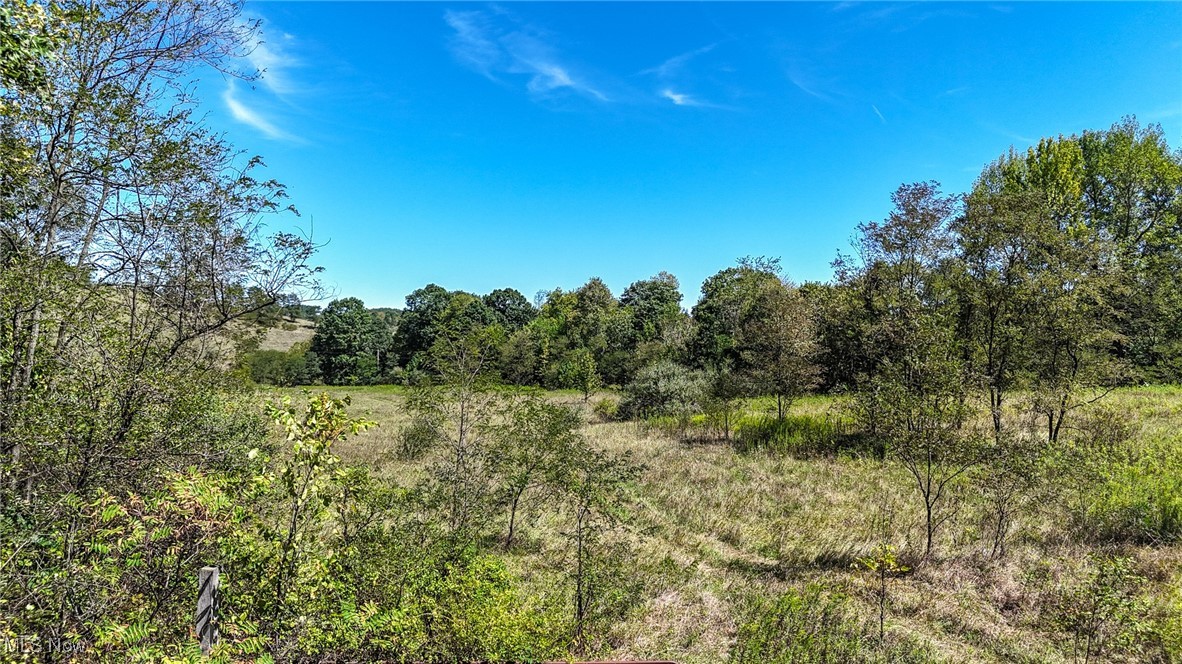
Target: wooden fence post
x=207, y=608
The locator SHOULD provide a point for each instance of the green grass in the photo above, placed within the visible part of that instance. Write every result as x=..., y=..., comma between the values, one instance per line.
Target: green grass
x=719, y=531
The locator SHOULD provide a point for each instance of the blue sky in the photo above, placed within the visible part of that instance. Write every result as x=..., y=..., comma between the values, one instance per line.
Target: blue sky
x=535, y=145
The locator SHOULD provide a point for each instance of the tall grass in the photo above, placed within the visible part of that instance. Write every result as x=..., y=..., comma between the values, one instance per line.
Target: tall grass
x=786, y=505
x=1141, y=502
x=799, y=435
x=818, y=625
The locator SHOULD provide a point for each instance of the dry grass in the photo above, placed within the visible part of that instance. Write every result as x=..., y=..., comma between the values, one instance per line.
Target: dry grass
x=285, y=335
x=715, y=529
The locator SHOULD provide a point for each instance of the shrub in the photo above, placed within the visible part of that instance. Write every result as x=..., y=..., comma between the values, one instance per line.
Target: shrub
x=1104, y=612
x=663, y=389
x=1107, y=430
x=297, y=366
x=332, y=564
x=607, y=409
x=420, y=435
x=385, y=600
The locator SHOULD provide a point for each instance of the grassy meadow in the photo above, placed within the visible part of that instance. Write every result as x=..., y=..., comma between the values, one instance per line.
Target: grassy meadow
x=720, y=534
x=283, y=336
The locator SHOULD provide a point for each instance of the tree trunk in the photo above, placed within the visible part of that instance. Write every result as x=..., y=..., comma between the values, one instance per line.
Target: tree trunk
x=512, y=519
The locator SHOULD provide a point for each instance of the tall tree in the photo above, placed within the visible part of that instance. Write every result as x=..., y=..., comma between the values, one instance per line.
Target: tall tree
x=417, y=325
x=135, y=233
x=511, y=308
x=27, y=38
x=1075, y=276
x=915, y=400
x=655, y=303
x=1005, y=238
x=350, y=343
x=726, y=300
x=778, y=344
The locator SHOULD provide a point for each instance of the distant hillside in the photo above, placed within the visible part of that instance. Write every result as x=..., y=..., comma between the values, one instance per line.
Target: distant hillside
x=285, y=335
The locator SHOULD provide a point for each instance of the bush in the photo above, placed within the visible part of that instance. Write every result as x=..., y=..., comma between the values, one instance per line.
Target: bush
x=297, y=366
x=1104, y=612
x=417, y=437
x=328, y=563
x=387, y=601
x=663, y=389
x=818, y=625
x=607, y=409
x=1106, y=430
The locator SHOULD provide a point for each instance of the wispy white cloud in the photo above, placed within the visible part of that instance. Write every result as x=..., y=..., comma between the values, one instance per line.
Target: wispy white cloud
x=471, y=43
x=675, y=64
x=802, y=79
x=273, y=60
x=675, y=74
x=878, y=113
x=495, y=45
x=691, y=101
x=677, y=98
x=249, y=116
x=273, y=65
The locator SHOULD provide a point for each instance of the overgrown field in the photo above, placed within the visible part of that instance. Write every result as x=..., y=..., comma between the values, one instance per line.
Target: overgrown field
x=738, y=549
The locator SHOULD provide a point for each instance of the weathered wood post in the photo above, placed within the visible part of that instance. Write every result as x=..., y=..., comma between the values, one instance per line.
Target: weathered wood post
x=207, y=608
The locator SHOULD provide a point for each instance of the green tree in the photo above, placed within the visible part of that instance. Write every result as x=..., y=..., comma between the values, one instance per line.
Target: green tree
x=916, y=400
x=920, y=414
x=578, y=371
x=655, y=303
x=777, y=344
x=531, y=451
x=433, y=313
x=594, y=315
x=417, y=327
x=303, y=479
x=511, y=308
x=1073, y=281
x=884, y=563
x=134, y=238
x=350, y=343
x=27, y=38
x=462, y=411
x=1113, y=196
x=595, y=485
x=1006, y=240
x=727, y=298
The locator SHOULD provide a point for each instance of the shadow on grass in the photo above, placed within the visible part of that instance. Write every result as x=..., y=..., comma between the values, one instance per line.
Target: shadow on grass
x=794, y=567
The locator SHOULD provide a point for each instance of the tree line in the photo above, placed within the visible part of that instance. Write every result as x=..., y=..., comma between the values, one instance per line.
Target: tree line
x=1055, y=271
